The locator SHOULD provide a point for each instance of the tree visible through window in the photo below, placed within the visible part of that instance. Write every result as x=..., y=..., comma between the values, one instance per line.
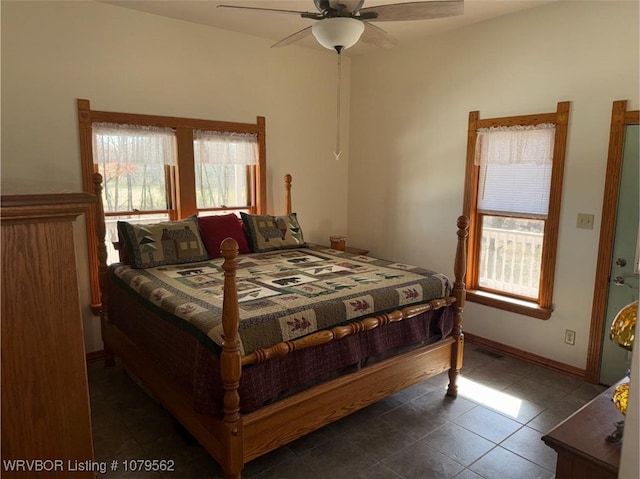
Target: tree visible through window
x=512, y=197
x=222, y=161
x=132, y=162
x=157, y=168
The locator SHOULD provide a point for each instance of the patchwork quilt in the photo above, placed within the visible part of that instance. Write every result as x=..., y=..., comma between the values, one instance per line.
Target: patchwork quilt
x=285, y=294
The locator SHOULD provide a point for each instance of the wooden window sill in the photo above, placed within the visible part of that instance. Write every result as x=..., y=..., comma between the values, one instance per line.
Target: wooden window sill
x=526, y=308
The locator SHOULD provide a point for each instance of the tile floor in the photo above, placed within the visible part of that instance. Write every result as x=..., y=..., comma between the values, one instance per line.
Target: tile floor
x=492, y=430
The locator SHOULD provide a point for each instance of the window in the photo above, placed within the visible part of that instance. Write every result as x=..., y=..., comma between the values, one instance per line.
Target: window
x=158, y=168
x=137, y=164
x=223, y=170
x=512, y=198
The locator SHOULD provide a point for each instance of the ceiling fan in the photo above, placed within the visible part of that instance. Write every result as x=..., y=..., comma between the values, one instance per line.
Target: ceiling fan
x=341, y=23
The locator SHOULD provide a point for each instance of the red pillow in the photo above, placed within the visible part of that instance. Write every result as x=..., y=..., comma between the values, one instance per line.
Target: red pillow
x=215, y=229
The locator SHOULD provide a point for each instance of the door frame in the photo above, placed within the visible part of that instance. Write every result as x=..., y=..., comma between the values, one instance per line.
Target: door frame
x=620, y=118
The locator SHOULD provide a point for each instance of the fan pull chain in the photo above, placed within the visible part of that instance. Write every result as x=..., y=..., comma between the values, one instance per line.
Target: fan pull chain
x=338, y=152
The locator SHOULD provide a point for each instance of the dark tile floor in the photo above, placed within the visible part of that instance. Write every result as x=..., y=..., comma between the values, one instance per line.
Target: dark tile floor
x=492, y=430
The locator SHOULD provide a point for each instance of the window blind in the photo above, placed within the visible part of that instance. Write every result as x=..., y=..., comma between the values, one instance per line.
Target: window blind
x=514, y=189
x=515, y=169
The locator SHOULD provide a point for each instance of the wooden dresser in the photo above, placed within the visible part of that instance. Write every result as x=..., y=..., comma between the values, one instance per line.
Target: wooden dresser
x=45, y=396
x=580, y=441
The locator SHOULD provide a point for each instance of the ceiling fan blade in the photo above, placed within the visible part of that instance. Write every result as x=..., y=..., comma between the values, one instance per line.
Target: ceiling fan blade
x=376, y=36
x=293, y=37
x=414, y=11
x=313, y=15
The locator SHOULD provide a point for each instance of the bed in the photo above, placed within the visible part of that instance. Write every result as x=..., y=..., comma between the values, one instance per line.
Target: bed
x=252, y=351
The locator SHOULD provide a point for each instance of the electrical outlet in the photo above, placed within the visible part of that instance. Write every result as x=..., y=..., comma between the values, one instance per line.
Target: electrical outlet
x=570, y=337
x=585, y=221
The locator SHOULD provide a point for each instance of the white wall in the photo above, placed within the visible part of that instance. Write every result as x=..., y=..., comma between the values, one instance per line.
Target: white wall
x=123, y=60
x=409, y=123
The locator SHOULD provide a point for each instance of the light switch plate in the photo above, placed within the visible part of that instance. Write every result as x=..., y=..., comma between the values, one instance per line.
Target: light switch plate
x=585, y=221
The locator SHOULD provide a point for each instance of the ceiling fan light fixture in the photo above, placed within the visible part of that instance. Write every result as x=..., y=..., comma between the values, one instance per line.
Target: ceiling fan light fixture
x=338, y=33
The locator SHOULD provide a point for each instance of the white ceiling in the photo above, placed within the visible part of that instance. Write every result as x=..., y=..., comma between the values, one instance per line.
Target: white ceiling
x=276, y=26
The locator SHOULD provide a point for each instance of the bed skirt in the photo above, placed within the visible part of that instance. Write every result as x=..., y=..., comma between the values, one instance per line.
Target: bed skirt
x=194, y=366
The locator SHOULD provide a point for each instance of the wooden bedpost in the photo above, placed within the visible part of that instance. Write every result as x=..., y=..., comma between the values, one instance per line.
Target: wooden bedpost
x=459, y=292
x=287, y=198
x=231, y=365
x=103, y=275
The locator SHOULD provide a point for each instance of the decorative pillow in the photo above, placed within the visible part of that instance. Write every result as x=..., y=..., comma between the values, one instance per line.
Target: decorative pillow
x=268, y=233
x=214, y=229
x=170, y=242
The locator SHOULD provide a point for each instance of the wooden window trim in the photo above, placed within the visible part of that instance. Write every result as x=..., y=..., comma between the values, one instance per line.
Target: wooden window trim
x=543, y=308
x=182, y=178
x=620, y=118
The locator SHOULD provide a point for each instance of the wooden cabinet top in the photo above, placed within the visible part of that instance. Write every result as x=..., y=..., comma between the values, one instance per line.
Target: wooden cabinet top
x=585, y=432
x=46, y=206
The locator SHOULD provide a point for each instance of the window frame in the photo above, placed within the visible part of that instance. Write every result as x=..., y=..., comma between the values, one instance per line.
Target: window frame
x=543, y=307
x=169, y=190
x=182, y=175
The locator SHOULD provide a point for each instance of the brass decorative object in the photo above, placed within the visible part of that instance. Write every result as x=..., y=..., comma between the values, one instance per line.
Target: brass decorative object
x=621, y=396
x=623, y=334
x=623, y=326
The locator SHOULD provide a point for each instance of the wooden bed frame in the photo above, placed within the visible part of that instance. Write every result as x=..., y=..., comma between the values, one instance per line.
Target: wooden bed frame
x=235, y=439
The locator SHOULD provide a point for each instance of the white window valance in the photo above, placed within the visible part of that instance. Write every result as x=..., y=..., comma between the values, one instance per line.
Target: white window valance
x=133, y=144
x=225, y=148
x=515, y=145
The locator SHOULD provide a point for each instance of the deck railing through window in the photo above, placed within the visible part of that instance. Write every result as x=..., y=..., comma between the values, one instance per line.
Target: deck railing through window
x=510, y=261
